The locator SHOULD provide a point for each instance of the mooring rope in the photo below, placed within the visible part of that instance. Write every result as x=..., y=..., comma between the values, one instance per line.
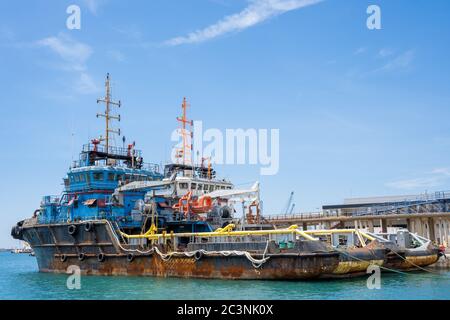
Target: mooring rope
x=257, y=263
x=393, y=270
x=415, y=265
x=381, y=267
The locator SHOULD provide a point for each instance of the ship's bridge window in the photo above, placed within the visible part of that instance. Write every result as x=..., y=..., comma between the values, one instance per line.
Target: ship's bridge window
x=193, y=186
x=82, y=177
x=200, y=187
x=183, y=185
x=76, y=178
x=206, y=187
x=110, y=176
x=71, y=178
x=119, y=177
x=98, y=176
x=211, y=188
x=229, y=188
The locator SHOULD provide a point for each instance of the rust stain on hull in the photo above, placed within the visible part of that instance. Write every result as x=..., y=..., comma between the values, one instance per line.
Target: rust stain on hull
x=55, y=250
x=412, y=262
x=209, y=267
x=57, y=256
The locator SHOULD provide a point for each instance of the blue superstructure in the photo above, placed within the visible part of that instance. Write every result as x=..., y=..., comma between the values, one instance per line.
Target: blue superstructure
x=91, y=181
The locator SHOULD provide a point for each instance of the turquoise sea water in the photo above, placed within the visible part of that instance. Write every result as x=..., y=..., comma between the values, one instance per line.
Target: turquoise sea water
x=19, y=279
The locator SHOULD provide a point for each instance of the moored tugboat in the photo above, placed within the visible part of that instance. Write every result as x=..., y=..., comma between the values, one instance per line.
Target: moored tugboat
x=120, y=216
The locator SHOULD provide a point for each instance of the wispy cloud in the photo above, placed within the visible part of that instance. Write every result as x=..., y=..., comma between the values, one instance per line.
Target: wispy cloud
x=256, y=12
x=130, y=31
x=401, y=61
x=72, y=52
x=385, y=52
x=93, y=5
x=73, y=58
x=359, y=51
x=432, y=179
x=85, y=84
x=417, y=183
x=441, y=171
x=116, y=55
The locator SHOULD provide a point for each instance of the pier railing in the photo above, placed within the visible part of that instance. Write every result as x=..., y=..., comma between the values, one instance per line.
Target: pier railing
x=297, y=216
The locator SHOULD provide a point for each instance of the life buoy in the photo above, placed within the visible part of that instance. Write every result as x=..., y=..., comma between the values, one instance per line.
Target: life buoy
x=72, y=229
x=81, y=256
x=130, y=257
x=63, y=258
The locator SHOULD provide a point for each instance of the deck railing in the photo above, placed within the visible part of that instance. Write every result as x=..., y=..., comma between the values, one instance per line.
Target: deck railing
x=152, y=167
x=112, y=150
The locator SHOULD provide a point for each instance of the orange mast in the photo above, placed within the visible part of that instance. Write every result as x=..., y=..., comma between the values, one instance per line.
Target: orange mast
x=185, y=153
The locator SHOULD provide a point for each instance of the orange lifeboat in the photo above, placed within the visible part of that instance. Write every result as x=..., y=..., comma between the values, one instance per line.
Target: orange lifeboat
x=202, y=205
x=186, y=204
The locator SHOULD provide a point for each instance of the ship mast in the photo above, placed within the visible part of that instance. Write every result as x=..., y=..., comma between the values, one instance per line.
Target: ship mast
x=107, y=115
x=185, y=153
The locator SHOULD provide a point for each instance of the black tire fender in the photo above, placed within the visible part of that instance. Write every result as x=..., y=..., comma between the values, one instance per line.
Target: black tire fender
x=101, y=257
x=72, y=229
x=89, y=226
x=198, y=255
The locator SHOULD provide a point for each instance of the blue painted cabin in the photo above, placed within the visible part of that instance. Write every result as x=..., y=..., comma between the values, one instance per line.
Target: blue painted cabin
x=91, y=181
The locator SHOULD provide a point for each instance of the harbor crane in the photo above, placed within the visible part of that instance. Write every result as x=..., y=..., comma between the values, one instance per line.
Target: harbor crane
x=290, y=206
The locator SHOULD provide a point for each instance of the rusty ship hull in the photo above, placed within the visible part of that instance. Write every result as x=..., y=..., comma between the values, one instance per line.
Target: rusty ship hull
x=99, y=252
x=354, y=262
x=409, y=260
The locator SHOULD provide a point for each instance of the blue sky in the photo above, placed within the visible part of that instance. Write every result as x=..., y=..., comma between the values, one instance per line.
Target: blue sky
x=361, y=112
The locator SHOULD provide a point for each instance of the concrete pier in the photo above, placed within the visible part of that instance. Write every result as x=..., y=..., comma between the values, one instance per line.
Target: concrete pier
x=433, y=225
x=426, y=214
